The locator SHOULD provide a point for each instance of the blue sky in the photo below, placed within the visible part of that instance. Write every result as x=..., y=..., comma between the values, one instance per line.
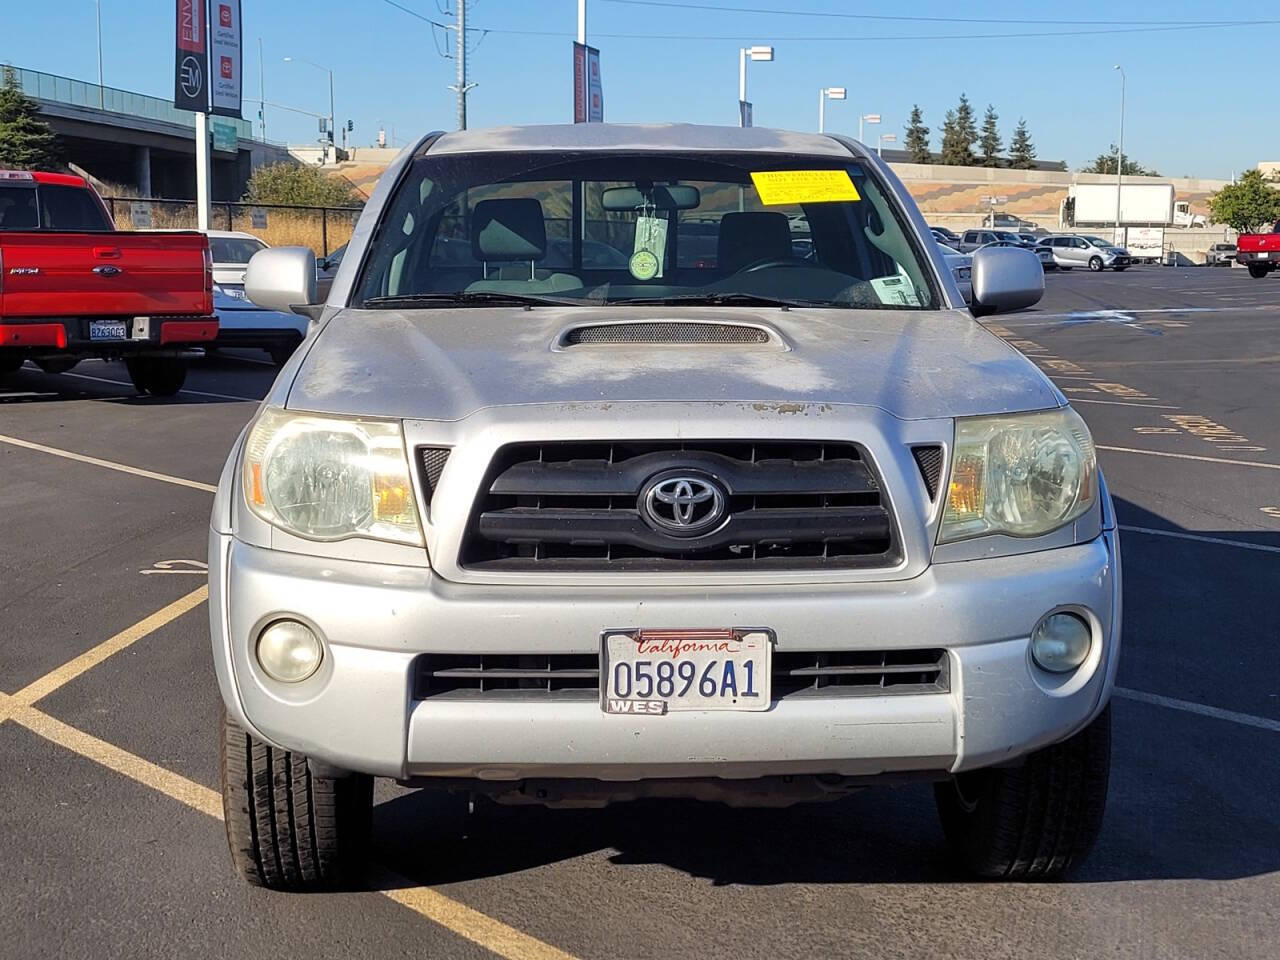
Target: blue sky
x=1188, y=108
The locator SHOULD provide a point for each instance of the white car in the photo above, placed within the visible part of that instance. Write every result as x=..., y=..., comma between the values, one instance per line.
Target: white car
x=242, y=323
x=961, y=266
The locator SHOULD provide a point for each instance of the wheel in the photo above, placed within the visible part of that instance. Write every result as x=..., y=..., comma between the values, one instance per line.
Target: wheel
x=10, y=362
x=287, y=828
x=1095, y=264
x=159, y=376
x=1258, y=270
x=1036, y=821
x=57, y=364
x=281, y=352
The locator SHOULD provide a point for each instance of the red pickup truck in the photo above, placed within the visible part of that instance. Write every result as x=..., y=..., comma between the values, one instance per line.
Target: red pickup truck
x=72, y=286
x=1260, y=252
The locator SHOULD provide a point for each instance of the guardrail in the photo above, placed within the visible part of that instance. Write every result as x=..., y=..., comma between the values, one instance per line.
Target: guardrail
x=78, y=93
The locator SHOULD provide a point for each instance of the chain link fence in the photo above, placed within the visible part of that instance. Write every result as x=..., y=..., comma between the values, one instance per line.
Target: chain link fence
x=323, y=229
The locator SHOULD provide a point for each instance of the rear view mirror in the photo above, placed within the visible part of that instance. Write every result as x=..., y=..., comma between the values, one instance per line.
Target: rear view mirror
x=662, y=197
x=282, y=279
x=1005, y=278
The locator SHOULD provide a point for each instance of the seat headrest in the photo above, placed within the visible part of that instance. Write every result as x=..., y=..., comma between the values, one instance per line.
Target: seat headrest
x=751, y=236
x=511, y=229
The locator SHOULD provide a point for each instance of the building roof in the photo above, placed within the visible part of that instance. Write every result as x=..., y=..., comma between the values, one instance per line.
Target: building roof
x=655, y=136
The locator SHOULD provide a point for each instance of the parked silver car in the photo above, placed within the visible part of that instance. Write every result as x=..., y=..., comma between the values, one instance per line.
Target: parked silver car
x=1220, y=255
x=763, y=529
x=1095, y=253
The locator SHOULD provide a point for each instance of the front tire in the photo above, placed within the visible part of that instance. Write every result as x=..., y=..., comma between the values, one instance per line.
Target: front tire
x=287, y=828
x=1036, y=821
x=1258, y=270
x=1095, y=264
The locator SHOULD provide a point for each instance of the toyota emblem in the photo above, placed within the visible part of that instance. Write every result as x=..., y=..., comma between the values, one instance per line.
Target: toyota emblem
x=683, y=505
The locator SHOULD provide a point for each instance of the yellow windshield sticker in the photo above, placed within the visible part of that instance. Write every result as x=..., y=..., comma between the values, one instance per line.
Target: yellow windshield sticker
x=777, y=187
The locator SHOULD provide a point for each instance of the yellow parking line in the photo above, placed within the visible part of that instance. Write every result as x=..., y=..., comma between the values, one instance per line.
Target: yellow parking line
x=108, y=464
x=494, y=935
x=185, y=791
x=91, y=658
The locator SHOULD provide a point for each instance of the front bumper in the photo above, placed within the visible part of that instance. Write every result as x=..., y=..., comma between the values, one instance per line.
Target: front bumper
x=359, y=713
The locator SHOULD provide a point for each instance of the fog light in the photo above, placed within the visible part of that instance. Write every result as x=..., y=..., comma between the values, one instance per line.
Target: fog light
x=289, y=651
x=1060, y=642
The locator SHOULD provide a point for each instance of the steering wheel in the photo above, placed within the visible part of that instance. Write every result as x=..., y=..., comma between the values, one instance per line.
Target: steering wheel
x=770, y=262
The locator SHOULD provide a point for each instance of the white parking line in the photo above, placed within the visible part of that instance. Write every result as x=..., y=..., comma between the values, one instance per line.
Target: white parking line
x=194, y=393
x=1186, y=706
x=1191, y=456
x=108, y=464
x=1200, y=538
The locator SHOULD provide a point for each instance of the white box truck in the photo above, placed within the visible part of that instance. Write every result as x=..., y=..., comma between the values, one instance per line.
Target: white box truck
x=1143, y=204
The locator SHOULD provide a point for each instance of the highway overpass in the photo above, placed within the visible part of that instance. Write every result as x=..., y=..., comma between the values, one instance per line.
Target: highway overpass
x=141, y=141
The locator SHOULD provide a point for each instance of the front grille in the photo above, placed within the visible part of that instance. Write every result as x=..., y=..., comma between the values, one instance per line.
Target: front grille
x=581, y=507
x=576, y=676
x=665, y=331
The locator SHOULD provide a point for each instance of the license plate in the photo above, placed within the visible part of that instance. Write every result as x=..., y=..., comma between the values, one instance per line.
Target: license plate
x=1264, y=255
x=235, y=293
x=106, y=330
x=662, y=671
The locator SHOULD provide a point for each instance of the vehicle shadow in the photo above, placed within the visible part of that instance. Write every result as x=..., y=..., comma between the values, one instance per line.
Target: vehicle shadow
x=110, y=384
x=1189, y=798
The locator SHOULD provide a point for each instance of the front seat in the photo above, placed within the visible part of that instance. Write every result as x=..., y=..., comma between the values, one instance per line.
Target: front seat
x=503, y=231
x=749, y=237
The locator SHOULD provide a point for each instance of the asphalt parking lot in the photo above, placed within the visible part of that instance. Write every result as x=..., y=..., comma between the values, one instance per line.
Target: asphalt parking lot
x=110, y=843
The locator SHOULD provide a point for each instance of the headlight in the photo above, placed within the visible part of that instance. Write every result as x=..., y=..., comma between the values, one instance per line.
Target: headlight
x=328, y=479
x=1022, y=475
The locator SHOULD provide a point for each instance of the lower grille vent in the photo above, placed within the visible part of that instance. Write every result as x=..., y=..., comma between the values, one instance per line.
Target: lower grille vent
x=576, y=676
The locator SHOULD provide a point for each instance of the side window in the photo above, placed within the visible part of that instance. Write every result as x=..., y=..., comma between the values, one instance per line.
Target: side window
x=18, y=208
x=1080, y=244
x=970, y=236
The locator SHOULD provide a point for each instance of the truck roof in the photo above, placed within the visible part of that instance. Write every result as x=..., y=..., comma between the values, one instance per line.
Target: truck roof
x=658, y=137
x=40, y=176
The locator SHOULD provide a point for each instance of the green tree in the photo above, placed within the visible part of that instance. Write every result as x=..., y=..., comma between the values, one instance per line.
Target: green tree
x=1022, y=152
x=1106, y=163
x=959, y=134
x=301, y=184
x=990, y=143
x=26, y=141
x=917, y=140
x=1246, y=205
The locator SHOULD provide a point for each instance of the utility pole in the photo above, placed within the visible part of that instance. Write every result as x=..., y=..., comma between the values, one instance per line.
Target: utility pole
x=1119, y=157
x=262, y=94
x=98, y=5
x=462, y=87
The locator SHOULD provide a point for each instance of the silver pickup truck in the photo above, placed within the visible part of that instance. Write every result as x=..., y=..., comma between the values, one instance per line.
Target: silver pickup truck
x=760, y=522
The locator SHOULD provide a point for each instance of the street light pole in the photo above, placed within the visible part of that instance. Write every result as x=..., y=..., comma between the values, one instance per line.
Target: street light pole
x=825, y=94
x=311, y=63
x=98, y=5
x=1120, y=150
x=882, y=140
x=758, y=52
x=869, y=118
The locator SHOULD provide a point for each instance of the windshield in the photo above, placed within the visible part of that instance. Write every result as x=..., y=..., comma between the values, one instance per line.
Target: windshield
x=234, y=249
x=647, y=227
x=1099, y=242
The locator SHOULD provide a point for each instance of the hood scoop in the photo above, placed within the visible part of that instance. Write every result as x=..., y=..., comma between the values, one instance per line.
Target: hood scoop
x=658, y=332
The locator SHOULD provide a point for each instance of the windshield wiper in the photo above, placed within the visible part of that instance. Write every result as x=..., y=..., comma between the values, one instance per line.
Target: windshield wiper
x=470, y=299
x=724, y=300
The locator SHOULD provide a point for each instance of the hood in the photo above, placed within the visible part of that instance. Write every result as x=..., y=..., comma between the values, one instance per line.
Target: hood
x=445, y=364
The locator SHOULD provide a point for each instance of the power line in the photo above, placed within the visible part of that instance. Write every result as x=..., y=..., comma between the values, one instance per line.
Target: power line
x=738, y=38
x=872, y=16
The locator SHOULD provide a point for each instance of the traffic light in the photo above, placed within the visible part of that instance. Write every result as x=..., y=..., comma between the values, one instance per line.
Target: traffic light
x=350, y=125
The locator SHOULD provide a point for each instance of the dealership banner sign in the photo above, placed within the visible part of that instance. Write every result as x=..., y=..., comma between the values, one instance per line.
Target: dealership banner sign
x=588, y=91
x=226, y=57
x=191, y=63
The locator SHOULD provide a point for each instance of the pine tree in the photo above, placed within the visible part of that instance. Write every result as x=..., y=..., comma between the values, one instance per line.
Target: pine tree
x=27, y=142
x=959, y=134
x=917, y=140
x=990, y=142
x=1022, y=152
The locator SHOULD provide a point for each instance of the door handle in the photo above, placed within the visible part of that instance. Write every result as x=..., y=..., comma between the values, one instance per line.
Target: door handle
x=106, y=253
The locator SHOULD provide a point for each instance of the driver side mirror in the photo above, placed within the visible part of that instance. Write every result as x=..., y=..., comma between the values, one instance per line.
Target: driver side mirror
x=283, y=279
x=1004, y=279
